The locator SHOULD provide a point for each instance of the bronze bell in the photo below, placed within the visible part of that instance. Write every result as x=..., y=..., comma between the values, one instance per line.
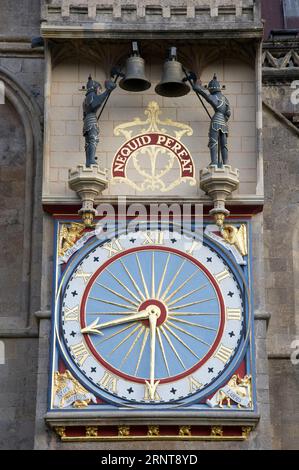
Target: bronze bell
x=134, y=79
x=172, y=83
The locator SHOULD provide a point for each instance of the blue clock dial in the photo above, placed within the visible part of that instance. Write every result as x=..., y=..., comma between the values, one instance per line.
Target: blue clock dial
x=188, y=309
x=156, y=320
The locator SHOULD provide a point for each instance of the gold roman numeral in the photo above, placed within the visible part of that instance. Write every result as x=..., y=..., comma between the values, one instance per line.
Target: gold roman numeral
x=222, y=275
x=109, y=382
x=194, y=245
x=233, y=313
x=80, y=352
x=194, y=384
x=81, y=274
x=71, y=314
x=150, y=391
x=223, y=353
x=113, y=247
x=153, y=238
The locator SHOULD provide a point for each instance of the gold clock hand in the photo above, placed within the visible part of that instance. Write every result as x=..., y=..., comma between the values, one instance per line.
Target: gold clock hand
x=154, y=313
x=95, y=327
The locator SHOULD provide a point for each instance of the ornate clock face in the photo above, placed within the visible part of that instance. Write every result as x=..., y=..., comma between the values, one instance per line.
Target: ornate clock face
x=152, y=318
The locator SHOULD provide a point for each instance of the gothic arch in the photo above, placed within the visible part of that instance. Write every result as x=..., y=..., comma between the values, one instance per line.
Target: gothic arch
x=29, y=115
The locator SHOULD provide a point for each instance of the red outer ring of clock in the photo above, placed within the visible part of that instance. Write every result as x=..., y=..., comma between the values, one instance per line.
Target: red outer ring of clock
x=159, y=248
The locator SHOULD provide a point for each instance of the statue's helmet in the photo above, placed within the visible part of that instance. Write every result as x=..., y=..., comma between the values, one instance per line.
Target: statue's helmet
x=214, y=85
x=92, y=85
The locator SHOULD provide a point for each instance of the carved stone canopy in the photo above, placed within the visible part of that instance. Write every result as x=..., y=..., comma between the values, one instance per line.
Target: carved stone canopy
x=195, y=55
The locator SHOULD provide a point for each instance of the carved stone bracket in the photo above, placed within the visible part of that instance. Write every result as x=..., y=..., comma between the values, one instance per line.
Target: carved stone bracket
x=219, y=183
x=88, y=184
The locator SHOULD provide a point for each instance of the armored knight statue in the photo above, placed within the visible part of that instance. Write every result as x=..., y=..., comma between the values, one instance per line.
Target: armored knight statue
x=218, y=128
x=94, y=100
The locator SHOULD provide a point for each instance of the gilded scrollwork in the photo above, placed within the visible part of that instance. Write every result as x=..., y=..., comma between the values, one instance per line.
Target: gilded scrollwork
x=154, y=177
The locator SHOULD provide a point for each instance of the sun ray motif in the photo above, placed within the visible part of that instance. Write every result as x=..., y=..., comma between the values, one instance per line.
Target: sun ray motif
x=172, y=281
x=168, y=328
x=141, y=351
x=172, y=347
x=187, y=295
x=132, y=280
x=192, y=324
x=117, y=294
x=124, y=339
x=153, y=275
x=124, y=286
x=111, y=303
x=163, y=350
x=142, y=277
x=187, y=333
x=124, y=360
x=100, y=341
x=109, y=313
x=170, y=312
x=181, y=286
x=163, y=276
x=190, y=304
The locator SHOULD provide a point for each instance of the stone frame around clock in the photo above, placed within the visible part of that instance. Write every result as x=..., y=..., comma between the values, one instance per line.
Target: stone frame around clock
x=87, y=417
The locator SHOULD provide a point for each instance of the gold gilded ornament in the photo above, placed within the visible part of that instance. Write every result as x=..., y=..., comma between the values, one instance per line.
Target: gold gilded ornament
x=236, y=236
x=69, y=234
x=246, y=430
x=153, y=430
x=185, y=431
x=87, y=218
x=123, y=431
x=216, y=431
x=60, y=431
x=154, y=147
x=69, y=392
x=219, y=219
x=91, y=431
x=240, y=387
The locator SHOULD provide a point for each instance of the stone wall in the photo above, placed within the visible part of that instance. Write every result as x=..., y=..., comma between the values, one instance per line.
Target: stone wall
x=19, y=20
x=18, y=393
x=21, y=71
x=281, y=212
